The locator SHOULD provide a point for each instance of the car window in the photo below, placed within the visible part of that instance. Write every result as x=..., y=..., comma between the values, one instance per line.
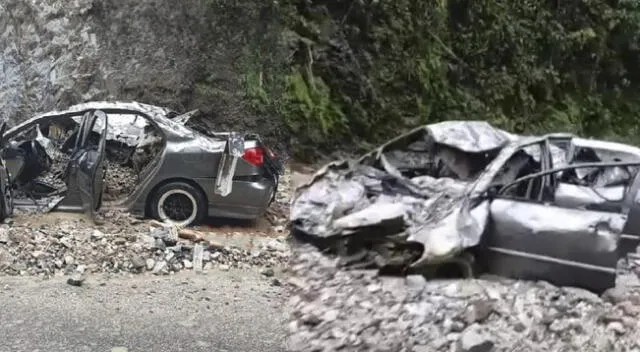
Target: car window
x=124, y=127
x=521, y=163
x=569, y=191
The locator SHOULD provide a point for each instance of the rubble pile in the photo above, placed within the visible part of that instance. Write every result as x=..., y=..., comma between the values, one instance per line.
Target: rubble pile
x=121, y=245
x=55, y=176
x=120, y=180
x=358, y=310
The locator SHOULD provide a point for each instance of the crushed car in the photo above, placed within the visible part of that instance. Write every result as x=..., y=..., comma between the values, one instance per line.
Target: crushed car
x=61, y=161
x=464, y=197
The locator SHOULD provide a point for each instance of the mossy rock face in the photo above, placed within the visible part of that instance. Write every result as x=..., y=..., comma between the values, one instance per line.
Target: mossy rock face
x=364, y=70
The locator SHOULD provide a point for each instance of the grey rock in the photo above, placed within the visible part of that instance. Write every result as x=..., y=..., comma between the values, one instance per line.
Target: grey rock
x=138, y=262
x=615, y=295
x=268, y=272
x=160, y=268
x=76, y=279
x=4, y=237
x=160, y=244
x=474, y=340
x=206, y=256
x=187, y=264
x=198, y=253
x=617, y=327
x=69, y=260
x=97, y=235
x=478, y=311
x=150, y=263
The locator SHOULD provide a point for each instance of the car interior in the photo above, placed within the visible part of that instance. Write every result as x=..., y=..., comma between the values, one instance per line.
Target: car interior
x=37, y=158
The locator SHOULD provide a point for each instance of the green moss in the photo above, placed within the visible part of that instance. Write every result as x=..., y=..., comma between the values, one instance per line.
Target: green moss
x=345, y=74
x=310, y=112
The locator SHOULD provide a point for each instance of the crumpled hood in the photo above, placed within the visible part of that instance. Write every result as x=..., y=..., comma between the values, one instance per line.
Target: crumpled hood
x=376, y=197
x=344, y=198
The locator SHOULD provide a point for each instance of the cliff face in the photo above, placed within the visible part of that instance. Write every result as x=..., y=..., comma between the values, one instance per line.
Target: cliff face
x=54, y=53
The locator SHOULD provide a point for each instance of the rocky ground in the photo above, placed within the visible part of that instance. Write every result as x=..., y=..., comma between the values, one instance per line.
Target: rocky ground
x=337, y=310
x=57, y=244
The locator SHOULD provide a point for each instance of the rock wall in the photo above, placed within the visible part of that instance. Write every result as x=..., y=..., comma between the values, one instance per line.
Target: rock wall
x=54, y=53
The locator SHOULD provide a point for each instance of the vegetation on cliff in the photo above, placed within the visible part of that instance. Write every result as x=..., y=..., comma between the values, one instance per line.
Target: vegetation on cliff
x=356, y=72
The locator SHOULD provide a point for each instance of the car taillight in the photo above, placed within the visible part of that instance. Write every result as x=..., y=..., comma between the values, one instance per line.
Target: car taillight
x=254, y=156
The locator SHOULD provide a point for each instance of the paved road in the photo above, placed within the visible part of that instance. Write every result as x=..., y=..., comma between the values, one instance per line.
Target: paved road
x=219, y=311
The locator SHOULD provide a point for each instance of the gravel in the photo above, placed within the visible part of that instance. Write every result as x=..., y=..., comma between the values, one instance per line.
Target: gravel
x=120, y=181
x=357, y=310
x=124, y=245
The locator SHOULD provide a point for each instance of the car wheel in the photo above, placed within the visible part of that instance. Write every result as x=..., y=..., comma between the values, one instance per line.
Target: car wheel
x=178, y=204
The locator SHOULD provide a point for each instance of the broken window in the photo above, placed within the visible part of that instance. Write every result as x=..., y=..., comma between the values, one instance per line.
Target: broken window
x=524, y=161
x=603, y=188
x=132, y=144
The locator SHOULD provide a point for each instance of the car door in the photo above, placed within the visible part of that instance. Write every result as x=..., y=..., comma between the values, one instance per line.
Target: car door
x=85, y=171
x=532, y=238
x=5, y=182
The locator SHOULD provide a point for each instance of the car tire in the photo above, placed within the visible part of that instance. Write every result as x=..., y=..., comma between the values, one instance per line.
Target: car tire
x=195, y=208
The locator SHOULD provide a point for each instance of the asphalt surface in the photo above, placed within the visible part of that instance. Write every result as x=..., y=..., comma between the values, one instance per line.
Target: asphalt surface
x=218, y=311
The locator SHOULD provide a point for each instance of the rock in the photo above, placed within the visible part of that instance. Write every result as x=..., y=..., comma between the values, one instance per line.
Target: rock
x=614, y=295
x=147, y=241
x=223, y=267
x=478, y=311
x=76, y=280
x=198, y=252
x=119, y=241
x=69, y=260
x=617, y=328
x=268, y=272
x=67, y=242
x=160, y=244
x=6, y=259
x=137, y=262
x=187, y=264
x=206, y=256
x=160, y=268
x=474, y=340
x=97, y=235
x=150, y=264
x=629, y=308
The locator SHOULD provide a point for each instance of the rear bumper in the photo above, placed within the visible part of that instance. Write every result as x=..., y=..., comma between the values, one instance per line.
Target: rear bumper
x=248, y=199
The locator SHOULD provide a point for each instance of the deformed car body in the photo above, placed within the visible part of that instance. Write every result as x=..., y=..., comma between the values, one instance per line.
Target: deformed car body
x=557, y=207
x=182, y=174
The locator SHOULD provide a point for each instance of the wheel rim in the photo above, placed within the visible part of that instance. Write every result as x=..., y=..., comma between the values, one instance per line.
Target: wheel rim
x=177, y=207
